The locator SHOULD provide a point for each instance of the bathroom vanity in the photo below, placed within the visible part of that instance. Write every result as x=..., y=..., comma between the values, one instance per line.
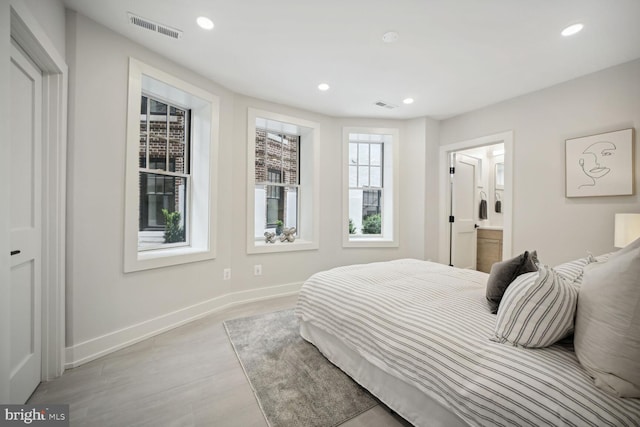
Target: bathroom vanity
x=489, y=248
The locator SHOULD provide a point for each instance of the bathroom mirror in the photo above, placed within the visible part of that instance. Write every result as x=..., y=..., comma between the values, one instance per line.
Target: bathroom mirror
x=499, y=176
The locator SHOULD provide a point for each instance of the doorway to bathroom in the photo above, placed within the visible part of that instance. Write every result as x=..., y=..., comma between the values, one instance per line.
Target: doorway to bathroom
x=476, y=213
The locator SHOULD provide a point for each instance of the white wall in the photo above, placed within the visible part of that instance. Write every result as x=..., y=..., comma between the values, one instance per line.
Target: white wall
x=432, y=195
x=559, y=228
x=105, y=307
x=102, y=299
x=50, y=14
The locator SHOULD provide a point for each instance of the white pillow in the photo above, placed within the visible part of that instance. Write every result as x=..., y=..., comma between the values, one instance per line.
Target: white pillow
x=537, y=310
x=607, y=335
x=629, y=248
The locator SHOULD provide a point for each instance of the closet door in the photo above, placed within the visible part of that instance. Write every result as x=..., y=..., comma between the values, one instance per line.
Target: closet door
x=25, y=227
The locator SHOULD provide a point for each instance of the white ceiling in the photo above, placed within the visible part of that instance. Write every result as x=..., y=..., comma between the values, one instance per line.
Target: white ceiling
x=452, y=56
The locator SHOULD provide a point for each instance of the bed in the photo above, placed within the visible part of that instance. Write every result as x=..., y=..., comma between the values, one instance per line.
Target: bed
x=416, y=335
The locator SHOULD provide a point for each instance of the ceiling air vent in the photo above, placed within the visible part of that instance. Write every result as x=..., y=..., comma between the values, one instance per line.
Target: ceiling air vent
x=148, y=24
x=385, y=105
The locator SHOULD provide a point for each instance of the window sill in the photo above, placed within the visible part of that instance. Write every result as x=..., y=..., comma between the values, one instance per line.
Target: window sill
x=168, y=252
x=369, y=242
x=157, y=258
x=261, y=247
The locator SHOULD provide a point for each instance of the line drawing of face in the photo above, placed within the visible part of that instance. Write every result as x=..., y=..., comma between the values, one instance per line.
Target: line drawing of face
x=594, y=161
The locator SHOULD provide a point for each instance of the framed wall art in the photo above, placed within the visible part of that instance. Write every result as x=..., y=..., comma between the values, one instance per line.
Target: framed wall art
x=600, y=165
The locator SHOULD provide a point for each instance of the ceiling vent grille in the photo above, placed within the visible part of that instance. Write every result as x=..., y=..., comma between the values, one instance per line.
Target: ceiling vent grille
x=385, y=105
x=148, y=24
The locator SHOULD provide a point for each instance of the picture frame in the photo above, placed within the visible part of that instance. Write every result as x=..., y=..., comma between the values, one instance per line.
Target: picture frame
x=600, y=165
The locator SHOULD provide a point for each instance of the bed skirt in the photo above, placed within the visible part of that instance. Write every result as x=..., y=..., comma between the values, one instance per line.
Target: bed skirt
x=406, y=400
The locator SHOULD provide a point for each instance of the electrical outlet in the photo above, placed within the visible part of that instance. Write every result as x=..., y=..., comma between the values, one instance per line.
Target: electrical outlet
x=257, y=270
x=226, y=274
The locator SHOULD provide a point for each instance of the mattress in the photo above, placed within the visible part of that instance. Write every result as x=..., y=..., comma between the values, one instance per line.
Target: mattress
x=428, y=325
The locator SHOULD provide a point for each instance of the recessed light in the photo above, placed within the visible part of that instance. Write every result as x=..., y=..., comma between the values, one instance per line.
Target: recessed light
x=205, y=22
x=408, y=100
x=572, y=29
x=323, y=87
x=390, y=37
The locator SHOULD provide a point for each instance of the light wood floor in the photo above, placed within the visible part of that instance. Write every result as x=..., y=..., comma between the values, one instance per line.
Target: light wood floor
x=189, y=376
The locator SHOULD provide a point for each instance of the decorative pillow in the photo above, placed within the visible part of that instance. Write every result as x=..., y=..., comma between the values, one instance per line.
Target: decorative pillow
x=537, y=310
x=572, y=271
x=604, y=257
x=534, y=257
x=629, y=248
x=505, y=272
x=607, y=335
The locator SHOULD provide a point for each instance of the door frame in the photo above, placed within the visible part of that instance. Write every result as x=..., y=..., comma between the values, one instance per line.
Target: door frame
x=30, y=36
x=445, y=151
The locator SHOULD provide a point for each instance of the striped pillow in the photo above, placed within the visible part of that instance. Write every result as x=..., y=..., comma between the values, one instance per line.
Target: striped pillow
x=537, y=310
x=572, y=271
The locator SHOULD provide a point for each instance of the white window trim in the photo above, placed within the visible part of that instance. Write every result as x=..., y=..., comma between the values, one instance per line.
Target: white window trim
x=391, y=191
x=309, y=217
x=205, y=119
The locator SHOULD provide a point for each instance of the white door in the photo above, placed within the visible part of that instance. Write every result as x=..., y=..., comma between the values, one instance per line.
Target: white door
x=465, y=211
x=25, y=226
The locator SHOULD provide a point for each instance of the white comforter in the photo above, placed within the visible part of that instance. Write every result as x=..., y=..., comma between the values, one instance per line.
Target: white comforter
x=429, y=325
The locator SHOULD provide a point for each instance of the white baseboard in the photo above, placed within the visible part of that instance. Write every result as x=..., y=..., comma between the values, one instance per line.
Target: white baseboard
x=100, y=346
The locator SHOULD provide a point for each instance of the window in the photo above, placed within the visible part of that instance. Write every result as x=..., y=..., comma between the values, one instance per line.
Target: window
x=282, y=181
x=164, y=174
x=275, y=198
x=172, y=137
x=276, y=178
x=370, y=194
x=365, y=184
x=371, y=204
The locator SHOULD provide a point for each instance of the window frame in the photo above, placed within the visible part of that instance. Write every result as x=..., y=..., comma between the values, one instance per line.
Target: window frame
x=204, y=130
x=308, y=184
x=390, y=181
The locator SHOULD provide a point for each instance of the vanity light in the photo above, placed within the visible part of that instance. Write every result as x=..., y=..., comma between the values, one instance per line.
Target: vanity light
x=205, y=23
x=323, y=87
x=408, y=100
x=572, y=29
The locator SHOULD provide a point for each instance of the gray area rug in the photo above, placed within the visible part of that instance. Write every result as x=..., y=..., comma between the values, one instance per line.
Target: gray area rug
x=293, y=382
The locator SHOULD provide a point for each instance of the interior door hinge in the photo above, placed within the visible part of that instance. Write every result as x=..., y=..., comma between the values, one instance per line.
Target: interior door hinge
x=452, y=170
x=451, y=218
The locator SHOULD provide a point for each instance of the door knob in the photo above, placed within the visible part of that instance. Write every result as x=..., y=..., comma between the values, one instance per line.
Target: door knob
x=16, y=252
x=476, y=226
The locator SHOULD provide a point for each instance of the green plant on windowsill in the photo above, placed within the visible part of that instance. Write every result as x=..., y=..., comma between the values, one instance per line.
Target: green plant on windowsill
x=372, y=224
x=279, y=225
x=173, y=231
x=352, y=228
